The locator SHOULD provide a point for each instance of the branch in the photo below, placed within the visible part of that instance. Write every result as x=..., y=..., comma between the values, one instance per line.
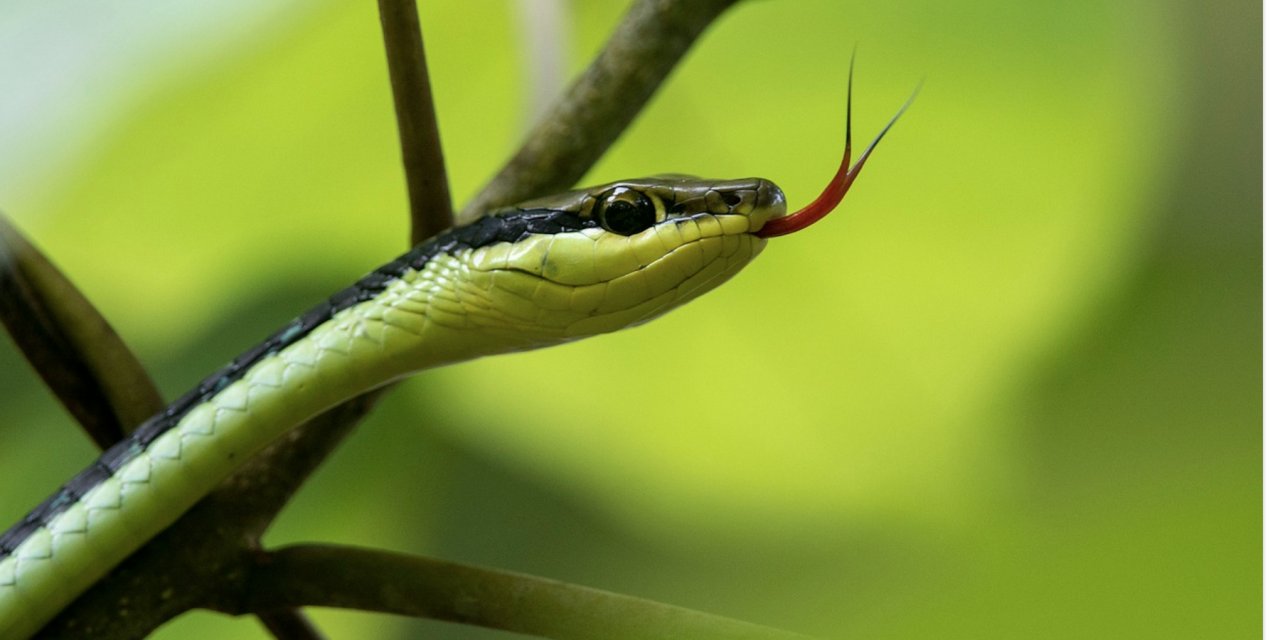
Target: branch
x=202, y=560
x=430, y=210
x=641, y=53
x=73, y=348
x=290, y=624
x=105, y=387
x=351, y=578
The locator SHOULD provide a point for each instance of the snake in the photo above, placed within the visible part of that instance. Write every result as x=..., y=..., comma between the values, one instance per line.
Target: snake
x=541, y=273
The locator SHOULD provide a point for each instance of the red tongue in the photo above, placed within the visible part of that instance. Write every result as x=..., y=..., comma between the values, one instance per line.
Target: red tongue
x=831, y=196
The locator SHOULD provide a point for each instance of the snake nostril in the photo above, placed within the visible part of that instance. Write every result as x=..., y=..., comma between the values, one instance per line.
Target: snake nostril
x=732, y=199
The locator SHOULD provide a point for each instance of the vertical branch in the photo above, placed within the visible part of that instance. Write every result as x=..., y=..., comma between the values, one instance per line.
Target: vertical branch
x=430, y=209
x=641, y=53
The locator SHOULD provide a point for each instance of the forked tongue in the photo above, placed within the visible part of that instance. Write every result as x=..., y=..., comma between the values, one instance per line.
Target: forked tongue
x=831, y=196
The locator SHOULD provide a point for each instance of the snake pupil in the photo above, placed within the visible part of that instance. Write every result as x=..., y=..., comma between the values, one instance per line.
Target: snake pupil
x=626, y=211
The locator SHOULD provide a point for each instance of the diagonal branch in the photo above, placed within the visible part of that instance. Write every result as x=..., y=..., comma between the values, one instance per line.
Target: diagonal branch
x=73, y=348
x=105, y=387
x=641, y=53
x=290, y=624
x=352, y=578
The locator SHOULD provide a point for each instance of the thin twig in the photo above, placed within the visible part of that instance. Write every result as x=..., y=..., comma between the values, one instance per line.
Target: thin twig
x=641, y=53
x=352, y=578
x=73, y=348
x=289, y=624
x=430, y=209
x=86, y=363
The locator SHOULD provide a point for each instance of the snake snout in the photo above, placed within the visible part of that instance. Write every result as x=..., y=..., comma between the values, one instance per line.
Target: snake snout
x=770, y=203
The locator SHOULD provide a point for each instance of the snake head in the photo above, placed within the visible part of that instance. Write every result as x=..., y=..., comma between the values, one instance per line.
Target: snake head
x=619, y=254
x=590, y=261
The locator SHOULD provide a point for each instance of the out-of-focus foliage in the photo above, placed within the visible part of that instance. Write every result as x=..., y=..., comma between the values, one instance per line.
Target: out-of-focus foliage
x=1011, y=390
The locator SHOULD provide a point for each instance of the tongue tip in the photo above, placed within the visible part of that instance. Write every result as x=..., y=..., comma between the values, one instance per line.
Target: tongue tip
x=834, y=192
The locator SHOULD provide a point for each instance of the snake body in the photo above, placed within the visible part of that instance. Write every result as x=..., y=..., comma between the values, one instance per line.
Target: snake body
x=539, y=274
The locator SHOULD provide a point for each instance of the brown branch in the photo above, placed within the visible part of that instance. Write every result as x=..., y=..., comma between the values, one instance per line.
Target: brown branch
x=641, y=53
x=430, y=209
x=100, y=381
x=202, y=560
x=73, y=348
x=289, y=624
x=352, y=578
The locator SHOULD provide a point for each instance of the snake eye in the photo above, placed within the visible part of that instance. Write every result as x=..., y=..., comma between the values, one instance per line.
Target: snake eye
x=625, y=211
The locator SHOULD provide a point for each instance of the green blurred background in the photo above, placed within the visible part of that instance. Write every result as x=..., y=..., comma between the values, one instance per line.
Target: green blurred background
x=1013, y=389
